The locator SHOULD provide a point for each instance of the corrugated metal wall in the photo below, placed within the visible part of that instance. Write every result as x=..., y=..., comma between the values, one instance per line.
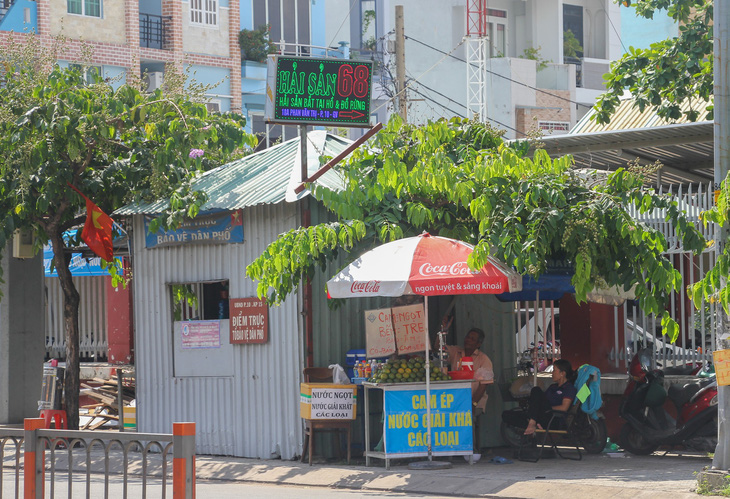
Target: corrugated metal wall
x=254, y=413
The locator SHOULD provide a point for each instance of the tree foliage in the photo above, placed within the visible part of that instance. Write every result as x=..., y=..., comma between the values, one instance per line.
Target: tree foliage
x=459, y=179
x=670, y=72
x=116, y=145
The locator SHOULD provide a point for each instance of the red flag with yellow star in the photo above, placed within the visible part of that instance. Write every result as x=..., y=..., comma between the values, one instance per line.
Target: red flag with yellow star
x=97, y=233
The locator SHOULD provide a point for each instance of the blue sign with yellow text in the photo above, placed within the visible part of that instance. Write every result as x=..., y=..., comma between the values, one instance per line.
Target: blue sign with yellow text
x=405, y=423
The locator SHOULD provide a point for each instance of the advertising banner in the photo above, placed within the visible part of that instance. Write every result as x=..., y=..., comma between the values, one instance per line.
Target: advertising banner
x=319, y=91
x=217, y=228
x=405, y=420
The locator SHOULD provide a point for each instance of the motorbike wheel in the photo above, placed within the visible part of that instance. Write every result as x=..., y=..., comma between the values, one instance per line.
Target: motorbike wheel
x=634, y=442
x=593, y=435
x=511, y=434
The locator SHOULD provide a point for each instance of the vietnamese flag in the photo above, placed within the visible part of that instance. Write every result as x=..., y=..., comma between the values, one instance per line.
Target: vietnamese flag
x=97, y=233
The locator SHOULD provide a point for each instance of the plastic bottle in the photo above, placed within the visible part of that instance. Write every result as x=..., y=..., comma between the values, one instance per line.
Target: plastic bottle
x=368, y=370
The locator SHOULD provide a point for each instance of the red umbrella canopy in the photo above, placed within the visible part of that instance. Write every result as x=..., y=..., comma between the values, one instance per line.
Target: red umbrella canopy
x=422, y=265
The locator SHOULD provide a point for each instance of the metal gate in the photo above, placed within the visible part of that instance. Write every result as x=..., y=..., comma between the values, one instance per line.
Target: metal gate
x=93, y=342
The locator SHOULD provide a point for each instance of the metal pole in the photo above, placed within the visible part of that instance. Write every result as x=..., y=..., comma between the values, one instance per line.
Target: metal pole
x=721, y=41
x=306, y=222
x=428, y=380
x=120, y=398
x=400, y=63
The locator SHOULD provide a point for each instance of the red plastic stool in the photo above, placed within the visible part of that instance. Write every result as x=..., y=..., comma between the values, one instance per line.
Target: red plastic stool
x=58, y=417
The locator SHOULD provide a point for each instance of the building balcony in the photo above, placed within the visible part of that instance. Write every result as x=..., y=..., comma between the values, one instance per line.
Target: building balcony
x=153, y=31
x=4, y=7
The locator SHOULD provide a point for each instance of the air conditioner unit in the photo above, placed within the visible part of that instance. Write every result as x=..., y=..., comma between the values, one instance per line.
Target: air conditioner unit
x=23, y=243
x=153, y=80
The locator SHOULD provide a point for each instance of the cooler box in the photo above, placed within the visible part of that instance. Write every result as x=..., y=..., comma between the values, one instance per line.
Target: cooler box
x=327, y=401
x=353, y=357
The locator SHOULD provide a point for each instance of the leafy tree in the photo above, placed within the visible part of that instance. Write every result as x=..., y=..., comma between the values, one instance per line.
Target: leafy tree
x=669, y=72
x=571, y=45
x=255, y=44
x=459, y=179
x=115, y=146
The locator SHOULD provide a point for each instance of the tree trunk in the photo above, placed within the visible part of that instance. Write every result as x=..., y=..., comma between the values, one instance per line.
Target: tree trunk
x=71, y=301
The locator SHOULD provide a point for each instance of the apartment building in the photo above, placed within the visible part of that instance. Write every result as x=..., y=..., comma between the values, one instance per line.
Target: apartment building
x=142, y=37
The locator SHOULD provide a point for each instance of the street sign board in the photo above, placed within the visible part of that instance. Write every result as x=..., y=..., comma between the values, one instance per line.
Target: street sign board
x=319, y=91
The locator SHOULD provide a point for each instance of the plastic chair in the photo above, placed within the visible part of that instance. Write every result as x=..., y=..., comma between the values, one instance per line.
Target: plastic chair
x=59, y=418
x=323, y=375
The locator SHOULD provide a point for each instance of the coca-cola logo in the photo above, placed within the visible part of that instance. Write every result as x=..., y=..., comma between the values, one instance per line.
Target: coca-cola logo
x=455, y=269
x=365, y=287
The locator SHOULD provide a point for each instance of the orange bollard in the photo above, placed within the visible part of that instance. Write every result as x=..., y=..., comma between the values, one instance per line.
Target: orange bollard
x=183, y=460
x=33, y=460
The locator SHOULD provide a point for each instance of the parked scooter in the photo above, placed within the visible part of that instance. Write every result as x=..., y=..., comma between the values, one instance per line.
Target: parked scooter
x=649, y=425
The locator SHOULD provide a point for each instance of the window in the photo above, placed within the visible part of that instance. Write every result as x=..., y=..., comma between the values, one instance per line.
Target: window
x=91, y=8
x=92, y=74
x=573, y=22
x=204, y=12
x=557, y=127
x=213, y=106
x=497, y=32
x=200, y=300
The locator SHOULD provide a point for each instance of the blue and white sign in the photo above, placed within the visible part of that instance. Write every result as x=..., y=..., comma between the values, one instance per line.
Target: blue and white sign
x=216, y=228
x=79, y=265
x=405, y=420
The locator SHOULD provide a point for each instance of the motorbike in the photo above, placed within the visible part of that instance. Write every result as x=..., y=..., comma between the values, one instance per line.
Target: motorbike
x=648, y=425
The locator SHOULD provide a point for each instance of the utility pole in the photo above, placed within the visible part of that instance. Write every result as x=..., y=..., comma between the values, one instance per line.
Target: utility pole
x=721, y=461
x=400, y=63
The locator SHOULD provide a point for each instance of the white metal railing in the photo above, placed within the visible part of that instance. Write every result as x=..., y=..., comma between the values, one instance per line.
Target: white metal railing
x=632, y=328
x=93, y=343
x=696, y=325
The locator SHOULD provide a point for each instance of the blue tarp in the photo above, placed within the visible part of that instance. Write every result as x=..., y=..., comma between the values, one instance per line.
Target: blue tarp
x=552, y=286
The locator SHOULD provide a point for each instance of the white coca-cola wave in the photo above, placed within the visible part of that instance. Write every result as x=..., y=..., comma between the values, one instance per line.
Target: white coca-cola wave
x=425, y=265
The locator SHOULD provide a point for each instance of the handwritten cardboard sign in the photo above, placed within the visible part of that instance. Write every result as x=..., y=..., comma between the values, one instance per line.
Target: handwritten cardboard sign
x=379, y=335
x=409, y=323
x=722, y=366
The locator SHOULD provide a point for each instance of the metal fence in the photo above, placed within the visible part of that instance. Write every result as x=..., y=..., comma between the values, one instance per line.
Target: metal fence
x=59, y=461
x=93, y=343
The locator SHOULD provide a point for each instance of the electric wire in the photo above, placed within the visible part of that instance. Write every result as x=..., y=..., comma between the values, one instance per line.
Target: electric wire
x=497, y=74
x=420, y=76
x=449, y=109
x=349, y=12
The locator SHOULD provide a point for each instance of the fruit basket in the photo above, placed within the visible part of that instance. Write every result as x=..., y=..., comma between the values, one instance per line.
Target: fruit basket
x=406, y=371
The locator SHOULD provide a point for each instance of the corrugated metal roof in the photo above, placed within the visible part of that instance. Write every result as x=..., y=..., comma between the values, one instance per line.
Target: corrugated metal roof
x=261, y=178
x=685, y=150
x=627, y=116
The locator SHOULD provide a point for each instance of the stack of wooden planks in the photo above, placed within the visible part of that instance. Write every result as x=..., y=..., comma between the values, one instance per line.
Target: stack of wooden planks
x=106, y=393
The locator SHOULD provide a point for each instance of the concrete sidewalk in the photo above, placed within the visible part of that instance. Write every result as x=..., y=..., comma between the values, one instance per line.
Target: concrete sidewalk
x=596, y=476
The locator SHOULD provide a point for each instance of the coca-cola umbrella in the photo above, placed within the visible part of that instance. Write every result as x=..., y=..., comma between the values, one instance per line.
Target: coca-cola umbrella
x=424, y=265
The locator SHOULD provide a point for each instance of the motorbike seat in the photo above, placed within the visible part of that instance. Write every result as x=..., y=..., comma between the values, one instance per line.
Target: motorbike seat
x=680, y=395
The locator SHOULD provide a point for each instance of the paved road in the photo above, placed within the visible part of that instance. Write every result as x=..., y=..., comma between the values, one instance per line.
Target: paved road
x=208, y=489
